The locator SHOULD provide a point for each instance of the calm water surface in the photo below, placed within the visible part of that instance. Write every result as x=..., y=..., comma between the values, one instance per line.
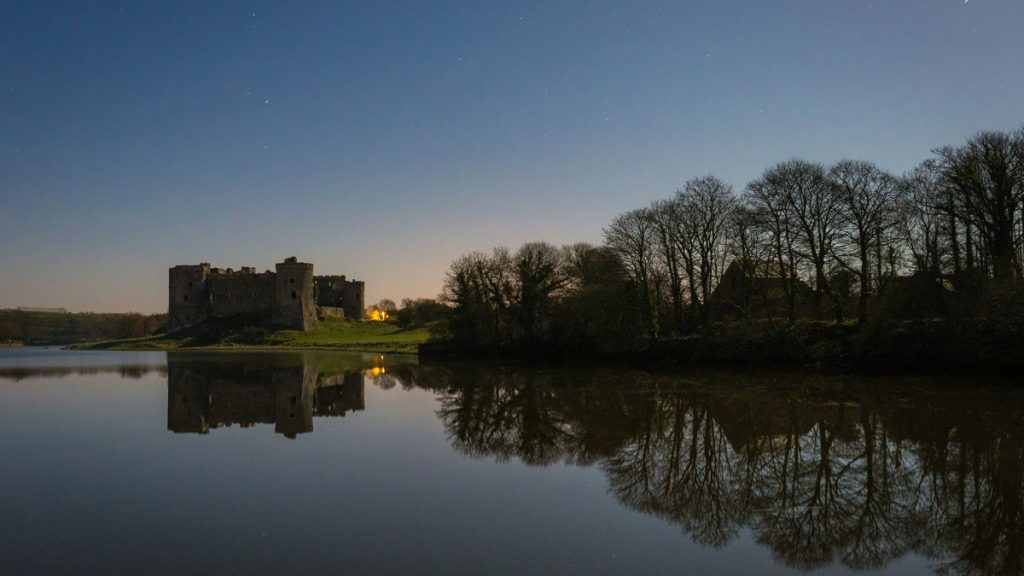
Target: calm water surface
x=314, y=463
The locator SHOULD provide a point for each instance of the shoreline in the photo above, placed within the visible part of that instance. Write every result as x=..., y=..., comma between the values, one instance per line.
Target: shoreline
x=921, y=348
x=649, y=361
x=98, y=347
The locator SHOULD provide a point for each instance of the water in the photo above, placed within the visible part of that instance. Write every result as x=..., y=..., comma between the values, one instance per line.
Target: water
x=311, y=463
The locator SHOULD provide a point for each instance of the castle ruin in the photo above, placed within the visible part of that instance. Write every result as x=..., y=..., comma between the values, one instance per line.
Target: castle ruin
x=291, y=296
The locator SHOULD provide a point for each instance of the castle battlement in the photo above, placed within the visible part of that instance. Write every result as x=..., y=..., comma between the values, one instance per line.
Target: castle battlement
x=289, y=296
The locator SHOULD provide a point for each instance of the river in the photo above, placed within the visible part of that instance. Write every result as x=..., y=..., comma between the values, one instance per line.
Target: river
x=319, y=462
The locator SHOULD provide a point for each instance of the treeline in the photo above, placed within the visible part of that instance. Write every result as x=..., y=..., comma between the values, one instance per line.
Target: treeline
x=803, y=243
x=30, y=327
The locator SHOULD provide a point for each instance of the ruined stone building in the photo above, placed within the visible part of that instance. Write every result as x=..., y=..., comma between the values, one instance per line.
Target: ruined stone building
x=290, y=296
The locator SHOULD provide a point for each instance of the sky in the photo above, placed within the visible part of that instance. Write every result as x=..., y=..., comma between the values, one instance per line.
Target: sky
x=382, y=140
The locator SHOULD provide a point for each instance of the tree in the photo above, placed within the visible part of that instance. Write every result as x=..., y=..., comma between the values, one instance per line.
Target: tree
x=632, y=237
x=420, y=312
x=766, y=198
x=707, y=203
x=748, y=246
x=815, y=210
x=9, y=331
x=476, y=318
x=666, y=217
x=987, y=176
x=921, y=218
x=598, y=310
x=868, y=199
x=387, y=305
x=539, y=273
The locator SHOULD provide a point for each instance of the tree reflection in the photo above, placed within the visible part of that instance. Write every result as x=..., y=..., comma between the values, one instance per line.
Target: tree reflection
x=821, y=472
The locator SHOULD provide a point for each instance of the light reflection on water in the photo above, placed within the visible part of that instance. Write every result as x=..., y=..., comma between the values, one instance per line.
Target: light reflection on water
x=314, y=462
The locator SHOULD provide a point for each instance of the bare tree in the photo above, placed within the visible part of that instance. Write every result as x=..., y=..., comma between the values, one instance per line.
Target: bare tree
x=766, y=197
x=633, y=237
x=684, y=228
x=748, y=246
x=666, y=217
x=987, y=176
x=868, y=200
x=707, y=203
x=816, y=211
x=921, y=216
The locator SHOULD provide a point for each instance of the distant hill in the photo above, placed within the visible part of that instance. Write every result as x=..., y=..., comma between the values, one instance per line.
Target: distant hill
x=32, y=326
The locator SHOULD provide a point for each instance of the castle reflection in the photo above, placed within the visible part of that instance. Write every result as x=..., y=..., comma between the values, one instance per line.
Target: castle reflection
x=824, y=471
x=286, y=392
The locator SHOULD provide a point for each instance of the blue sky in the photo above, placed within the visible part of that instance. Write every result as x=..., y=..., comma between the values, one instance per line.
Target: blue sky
x=383, y=139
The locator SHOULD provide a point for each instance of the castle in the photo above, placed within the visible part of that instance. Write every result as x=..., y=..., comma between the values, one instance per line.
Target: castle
x=291, y=296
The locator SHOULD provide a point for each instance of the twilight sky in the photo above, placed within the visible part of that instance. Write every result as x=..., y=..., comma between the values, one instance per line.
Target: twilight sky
x=383, y=139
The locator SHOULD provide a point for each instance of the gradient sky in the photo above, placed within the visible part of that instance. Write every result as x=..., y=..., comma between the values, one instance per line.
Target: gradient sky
x=384, y=139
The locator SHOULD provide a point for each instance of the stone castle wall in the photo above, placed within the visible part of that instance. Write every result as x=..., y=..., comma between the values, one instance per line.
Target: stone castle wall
x=289, y=296
x=337, y=292
x=243, y=293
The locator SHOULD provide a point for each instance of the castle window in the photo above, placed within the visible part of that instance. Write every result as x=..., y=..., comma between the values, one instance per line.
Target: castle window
x=184, y=298
x=189, y=284
x=211, y=296
x=295, y=295
x=291, y=280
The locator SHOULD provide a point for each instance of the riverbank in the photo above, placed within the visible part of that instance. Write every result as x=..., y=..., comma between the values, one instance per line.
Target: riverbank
x=913, y=347
x=902, y=348
x=333, y=334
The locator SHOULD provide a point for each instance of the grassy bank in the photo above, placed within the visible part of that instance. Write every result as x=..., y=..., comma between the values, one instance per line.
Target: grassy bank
x=333, y=334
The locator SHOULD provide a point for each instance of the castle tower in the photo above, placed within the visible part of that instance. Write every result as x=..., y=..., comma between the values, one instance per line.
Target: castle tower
x=187, y=297
x=296, y=302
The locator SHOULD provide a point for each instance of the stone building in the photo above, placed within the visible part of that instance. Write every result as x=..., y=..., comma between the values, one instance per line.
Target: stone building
x=290, y=296
x=758, y=291
x=339, y=297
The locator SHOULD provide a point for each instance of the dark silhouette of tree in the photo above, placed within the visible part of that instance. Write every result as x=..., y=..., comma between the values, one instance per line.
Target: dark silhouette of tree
x=706, y=204
x=814, y=208
x=935, y=253
x=539, y=274
x=767, y=201
x=632, y=237
x=987, y=176
x=749, y=246
x=666, y=217
x=868, y=198
x=921, y=217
